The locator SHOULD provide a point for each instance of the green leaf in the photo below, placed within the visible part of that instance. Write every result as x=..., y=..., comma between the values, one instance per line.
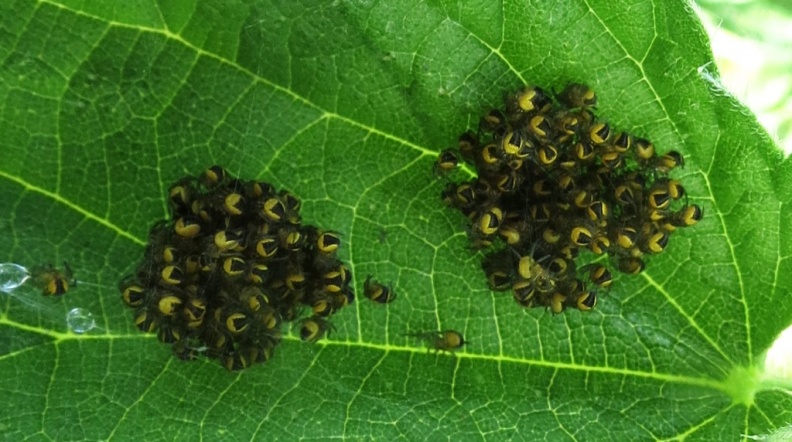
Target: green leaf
x=347, y=103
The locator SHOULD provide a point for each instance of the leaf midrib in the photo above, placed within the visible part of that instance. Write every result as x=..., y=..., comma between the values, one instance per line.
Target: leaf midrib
x=61, y=338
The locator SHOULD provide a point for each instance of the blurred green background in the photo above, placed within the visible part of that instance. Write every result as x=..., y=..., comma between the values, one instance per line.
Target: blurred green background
x=752, y=43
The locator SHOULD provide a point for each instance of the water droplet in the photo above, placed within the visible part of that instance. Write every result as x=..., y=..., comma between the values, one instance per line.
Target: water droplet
x=80, y=320
x=12, y=276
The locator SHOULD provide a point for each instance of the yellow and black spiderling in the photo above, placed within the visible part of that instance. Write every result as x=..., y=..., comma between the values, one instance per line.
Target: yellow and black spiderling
x=180, y=195
x=226, y=240
x=53, y=281
x=213, y=176
x=378, y=292
x=524, y=292
x=336, y=280
x=187, y=227
x=586, y=301
x=577, y=95
x=144, y=321
x=556, y=186
x=266, y=247
x=499, y=280
x=441, y=341
x=447, y=161
x=687, y=216
x=133, y=294
x=493, y=121
x=233, y=266
x=228, y=269
x=314, y=328
x=529, y=100
x=168, y=304
x=600, y=275
x=327, y=242
x=172, y=275
x=489, y=221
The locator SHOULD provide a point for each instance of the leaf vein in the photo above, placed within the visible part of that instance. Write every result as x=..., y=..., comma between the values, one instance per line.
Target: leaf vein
x=60, y=199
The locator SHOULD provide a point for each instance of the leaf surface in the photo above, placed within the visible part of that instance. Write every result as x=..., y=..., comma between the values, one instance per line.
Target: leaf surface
x=347, y=104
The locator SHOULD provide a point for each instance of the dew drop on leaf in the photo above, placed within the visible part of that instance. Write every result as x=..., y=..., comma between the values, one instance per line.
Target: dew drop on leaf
x=12, y=276
x=80, y=320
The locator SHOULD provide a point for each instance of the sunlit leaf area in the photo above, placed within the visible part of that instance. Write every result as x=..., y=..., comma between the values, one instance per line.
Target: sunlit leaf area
x=750, y=41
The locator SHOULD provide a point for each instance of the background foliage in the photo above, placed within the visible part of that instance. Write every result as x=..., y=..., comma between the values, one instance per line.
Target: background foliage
x=750, y=41
x=346, y=103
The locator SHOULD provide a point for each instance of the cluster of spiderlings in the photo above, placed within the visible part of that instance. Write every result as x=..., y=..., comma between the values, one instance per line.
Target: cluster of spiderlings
x=231, y=267
x=553, y=180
